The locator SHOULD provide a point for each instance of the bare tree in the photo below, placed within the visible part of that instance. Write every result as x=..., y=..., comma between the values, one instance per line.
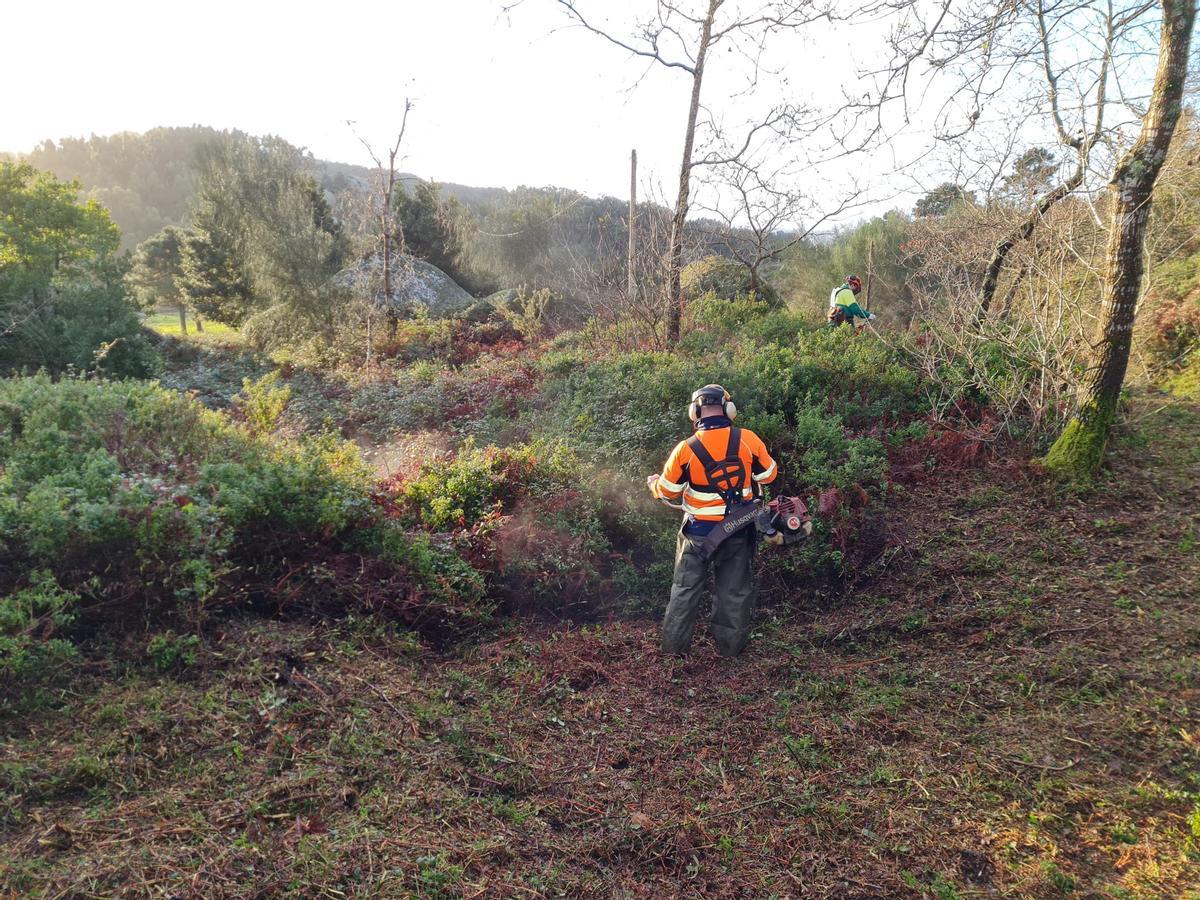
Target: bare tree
x=764, y=214
x=389, y=225
x=1079, y=450
x=681, y=36
x=1067, y=67
x=632, y=318
x=1079, y=139
x=1042, y=336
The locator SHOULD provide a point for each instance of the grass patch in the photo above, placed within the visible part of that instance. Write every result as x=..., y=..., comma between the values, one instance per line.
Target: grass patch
x=168, y=323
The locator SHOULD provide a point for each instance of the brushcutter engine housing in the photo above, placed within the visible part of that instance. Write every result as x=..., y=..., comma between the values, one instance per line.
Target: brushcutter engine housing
x=787, y=516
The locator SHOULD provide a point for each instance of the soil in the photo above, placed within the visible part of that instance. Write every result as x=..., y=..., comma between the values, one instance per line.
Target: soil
x=1004, y=703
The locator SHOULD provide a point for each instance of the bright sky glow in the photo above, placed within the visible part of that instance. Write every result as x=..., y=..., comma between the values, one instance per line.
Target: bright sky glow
x=502, y=99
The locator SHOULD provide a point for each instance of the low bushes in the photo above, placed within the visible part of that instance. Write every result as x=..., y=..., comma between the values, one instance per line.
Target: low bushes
x=482, y=399
x=1174, y=331
x=126, y=505
x=631, y=407
x=122, y=503
x=30, y=621
x=1185, y=383
x=1174, y=326
x=552, y=535
x=455, y=341
x=827, y=402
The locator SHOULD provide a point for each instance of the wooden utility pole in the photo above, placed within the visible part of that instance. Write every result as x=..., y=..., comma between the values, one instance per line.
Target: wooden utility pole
x=870, y=269
x=631, y=283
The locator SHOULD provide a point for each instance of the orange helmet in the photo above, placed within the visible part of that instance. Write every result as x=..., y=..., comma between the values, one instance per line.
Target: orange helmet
x=854, y=283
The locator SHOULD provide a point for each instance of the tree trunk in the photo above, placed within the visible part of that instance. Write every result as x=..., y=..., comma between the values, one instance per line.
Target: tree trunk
x=392, y=319
x=199, y=323
x=991, y=277
x=675, y=258
x=1010, y=295
x=182, y=319
x=1079, y=450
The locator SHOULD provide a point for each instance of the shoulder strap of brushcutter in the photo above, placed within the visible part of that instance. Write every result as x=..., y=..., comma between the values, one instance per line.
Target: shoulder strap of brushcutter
x=727, y=478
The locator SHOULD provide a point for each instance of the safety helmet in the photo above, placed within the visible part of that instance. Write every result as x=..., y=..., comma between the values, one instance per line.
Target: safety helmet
x=711, y=395
x=854, y=283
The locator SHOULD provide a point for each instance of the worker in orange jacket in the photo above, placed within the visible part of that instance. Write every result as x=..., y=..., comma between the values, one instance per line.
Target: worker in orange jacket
x=714, y=476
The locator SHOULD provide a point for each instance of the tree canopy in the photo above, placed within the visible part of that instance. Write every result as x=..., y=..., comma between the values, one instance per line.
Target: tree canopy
x=62, y=301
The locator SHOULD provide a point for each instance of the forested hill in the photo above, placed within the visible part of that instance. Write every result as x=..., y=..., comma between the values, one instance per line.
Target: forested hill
x=148, y=180
x=544, y=237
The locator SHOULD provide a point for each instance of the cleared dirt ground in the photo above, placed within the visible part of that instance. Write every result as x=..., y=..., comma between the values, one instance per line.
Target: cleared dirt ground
x=1006, y=703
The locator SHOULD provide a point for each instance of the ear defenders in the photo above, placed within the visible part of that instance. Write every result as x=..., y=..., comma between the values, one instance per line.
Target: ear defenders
x=711, y=395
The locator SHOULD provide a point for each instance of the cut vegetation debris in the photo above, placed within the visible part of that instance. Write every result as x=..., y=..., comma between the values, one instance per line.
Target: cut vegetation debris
x=1025, y=728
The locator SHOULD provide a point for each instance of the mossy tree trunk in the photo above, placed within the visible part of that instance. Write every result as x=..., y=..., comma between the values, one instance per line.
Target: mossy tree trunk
x=1079, y=450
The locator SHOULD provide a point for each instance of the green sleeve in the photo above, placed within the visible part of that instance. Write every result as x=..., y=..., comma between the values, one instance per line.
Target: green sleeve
x=855, y=310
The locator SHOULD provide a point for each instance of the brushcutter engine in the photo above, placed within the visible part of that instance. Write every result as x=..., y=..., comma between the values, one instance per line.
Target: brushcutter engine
x=786, y=516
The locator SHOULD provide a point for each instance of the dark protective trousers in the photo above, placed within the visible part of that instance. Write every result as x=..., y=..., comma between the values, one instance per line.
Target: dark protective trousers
x=733, y=604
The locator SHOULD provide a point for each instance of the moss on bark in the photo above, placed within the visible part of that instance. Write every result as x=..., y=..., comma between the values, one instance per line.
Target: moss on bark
x=1079, y=450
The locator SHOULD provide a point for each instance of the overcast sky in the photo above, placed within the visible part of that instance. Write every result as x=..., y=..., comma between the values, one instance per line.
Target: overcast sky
x=502, y=99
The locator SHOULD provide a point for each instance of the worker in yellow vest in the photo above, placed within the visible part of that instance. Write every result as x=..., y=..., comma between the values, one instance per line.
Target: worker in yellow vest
x=843, y=303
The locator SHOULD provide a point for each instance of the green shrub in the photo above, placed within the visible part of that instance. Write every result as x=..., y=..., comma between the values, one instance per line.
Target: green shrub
x=1174, y=322
x=441, y=569
x=144, y=506
x=541, y=524
x=262, y=402
x=630, y=409
x=211, y=372
x=459, y=340
x=526, y=311
x=484, y=398
x=827, y=403
x=1185, y=383
x=168, y=651
x=31, y=620
x=457, y=495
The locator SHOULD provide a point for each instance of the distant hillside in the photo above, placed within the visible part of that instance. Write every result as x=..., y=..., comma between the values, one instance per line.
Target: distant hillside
x=337, y=177
x=147, y=180
x=549, y=237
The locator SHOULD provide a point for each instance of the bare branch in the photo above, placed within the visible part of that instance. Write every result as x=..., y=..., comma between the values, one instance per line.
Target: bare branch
x=652, y=38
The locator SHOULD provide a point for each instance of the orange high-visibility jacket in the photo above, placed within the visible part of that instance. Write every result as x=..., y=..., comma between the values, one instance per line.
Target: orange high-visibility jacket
x=683, y=475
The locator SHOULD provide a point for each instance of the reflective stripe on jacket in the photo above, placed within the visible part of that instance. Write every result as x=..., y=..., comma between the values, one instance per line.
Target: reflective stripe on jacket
x=683, y=475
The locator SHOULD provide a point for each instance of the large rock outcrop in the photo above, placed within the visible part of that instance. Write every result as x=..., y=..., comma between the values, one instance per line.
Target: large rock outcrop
x=724, y=278
x=418, y=287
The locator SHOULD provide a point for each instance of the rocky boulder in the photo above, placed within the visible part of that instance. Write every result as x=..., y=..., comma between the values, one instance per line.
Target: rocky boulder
x=724, y=278
x=418, y=287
